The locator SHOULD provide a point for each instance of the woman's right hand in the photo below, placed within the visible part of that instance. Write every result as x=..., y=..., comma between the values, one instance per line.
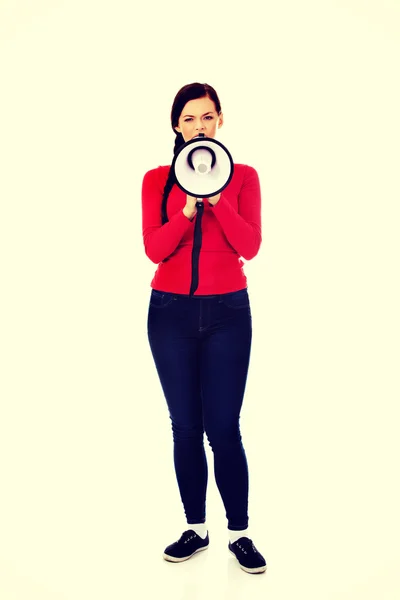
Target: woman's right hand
x=190, y=209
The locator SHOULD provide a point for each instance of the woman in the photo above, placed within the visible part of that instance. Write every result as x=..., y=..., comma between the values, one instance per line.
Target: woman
x=200, y=328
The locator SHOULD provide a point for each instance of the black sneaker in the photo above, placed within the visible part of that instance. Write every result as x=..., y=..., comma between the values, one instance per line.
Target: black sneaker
x=249, y=558
x=188, y=544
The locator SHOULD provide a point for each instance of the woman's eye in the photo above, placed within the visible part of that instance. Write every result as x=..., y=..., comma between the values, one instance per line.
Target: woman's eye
x=189, y=119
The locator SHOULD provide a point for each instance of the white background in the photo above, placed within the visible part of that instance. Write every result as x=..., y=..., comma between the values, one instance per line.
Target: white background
x=310, y=94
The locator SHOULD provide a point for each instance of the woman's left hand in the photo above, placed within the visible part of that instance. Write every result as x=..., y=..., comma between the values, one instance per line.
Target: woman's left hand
x=214, y=199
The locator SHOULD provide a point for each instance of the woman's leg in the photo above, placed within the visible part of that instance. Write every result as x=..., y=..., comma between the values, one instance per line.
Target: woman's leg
x=175, y=350
x=225, y=360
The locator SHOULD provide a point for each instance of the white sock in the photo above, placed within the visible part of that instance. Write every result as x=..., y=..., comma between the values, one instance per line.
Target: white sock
x=235, y=535
x=199, y=528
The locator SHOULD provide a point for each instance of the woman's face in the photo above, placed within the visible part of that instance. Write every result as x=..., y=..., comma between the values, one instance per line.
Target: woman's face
x=199, y=116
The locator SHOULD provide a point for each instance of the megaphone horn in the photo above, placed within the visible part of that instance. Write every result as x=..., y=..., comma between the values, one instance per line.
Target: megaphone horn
x=203, y=167
x=202, y=162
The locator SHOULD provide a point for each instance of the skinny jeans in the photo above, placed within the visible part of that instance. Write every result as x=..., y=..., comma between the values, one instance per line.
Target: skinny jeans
x=201, y=349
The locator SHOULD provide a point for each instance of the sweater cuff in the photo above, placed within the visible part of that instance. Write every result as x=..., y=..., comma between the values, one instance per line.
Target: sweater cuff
x=214, y=205
x=187, y=218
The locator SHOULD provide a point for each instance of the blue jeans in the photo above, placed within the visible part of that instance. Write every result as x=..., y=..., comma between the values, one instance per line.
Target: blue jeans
x=201, y=349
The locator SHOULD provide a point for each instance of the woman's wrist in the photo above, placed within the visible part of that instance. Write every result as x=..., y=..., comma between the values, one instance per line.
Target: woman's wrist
x=187, y=214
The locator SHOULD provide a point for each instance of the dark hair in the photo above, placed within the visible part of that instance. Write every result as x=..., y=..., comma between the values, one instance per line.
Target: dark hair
x=192, y=91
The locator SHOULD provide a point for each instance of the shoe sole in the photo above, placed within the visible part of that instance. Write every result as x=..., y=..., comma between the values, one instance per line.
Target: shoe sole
x=255, y=570
x=175, y=559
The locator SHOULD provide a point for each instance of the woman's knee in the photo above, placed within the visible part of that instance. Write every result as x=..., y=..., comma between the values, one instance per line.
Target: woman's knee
x=187, y=432
x=223, y=437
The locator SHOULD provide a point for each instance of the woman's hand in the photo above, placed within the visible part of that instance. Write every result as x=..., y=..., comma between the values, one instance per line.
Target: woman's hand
x=214, y=199
x=190, y=209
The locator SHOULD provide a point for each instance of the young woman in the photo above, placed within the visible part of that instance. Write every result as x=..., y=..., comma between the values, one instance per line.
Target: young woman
x=200, y=328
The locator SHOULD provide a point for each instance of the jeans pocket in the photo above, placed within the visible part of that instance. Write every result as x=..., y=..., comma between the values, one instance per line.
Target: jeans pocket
x=239, y=299
x=160, y=299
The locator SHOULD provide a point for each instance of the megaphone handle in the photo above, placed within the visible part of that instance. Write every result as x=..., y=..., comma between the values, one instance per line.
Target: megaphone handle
x=196, y=249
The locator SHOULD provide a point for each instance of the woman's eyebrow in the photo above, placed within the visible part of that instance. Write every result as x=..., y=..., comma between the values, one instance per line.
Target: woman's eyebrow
x=207, y=113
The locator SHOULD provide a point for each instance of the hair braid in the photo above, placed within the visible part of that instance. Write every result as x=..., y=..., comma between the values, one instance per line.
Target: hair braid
x=171, y=180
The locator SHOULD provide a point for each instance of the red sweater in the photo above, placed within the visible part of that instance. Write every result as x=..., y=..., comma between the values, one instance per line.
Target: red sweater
x=230, y=229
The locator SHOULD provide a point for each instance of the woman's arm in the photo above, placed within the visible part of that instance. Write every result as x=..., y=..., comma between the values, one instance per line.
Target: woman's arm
x=159, y=240
x=243, y=228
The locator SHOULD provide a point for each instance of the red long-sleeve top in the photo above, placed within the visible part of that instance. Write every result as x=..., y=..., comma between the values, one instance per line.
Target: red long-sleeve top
x=231, y=229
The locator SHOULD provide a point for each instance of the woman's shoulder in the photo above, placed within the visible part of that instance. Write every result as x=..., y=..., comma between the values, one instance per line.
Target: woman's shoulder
x=158, y=171
x=165, y=168
x=243, y=167
x=160, y=174
x=156, y=177
x=245, y=171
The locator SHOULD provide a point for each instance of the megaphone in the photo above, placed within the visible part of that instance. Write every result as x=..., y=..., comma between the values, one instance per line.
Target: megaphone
x=203, y=167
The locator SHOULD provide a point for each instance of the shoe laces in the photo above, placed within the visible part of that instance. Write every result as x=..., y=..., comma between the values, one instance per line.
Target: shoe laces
x=246, y=546
x=188, y=537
